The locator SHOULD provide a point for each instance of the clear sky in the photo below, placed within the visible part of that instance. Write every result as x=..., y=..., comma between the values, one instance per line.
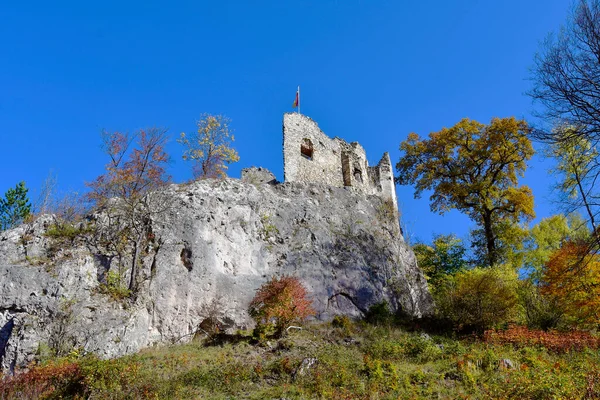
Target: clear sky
x=370, y=71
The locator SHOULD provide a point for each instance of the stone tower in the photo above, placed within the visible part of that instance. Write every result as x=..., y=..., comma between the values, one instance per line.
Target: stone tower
x=311, y=156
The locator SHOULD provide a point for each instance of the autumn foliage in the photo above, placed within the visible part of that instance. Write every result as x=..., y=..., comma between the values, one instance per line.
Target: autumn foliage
x=280, y=302
x=136, y=169
x=478, y=298
x=209, y=148
x=473, y=168
x=572, y=276
x=131, y=172
x=558, y=342
x=50, y=381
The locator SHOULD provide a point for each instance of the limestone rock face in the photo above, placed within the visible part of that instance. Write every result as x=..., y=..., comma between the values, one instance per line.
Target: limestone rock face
x=258, y=175
x=216, y=243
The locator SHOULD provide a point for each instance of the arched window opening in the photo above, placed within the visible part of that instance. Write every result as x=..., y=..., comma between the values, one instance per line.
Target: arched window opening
x=306, y=149
x=358, y=175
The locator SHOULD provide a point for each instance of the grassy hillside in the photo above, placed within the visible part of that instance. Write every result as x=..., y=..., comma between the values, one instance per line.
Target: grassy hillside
x=342, y=360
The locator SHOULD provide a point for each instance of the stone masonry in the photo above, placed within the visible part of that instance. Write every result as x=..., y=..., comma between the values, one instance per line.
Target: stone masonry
x=311, y=156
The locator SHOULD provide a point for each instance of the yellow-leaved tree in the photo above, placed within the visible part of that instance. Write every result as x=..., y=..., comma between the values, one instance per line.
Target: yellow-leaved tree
x=210, y=147
x=474, y=168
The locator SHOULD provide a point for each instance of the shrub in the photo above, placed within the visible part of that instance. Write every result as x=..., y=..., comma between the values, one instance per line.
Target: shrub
x=479, y=298
x=279, y=303
x=343, y=323
x=116, y=379
x=557, y=342
x=114, y=286
x=379, y=313
x=387, y=213
x=539, y=311
x=55, y=380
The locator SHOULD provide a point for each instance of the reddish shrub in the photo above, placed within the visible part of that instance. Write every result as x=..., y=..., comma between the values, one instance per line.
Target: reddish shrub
x=558, y=342
x=49, y=381
x=280, y=301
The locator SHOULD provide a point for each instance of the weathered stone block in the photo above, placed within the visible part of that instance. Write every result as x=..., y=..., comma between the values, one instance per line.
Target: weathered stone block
x=256, y=175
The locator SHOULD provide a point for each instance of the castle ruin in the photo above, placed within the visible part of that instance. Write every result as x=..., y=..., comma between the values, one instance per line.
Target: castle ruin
x=311, y=156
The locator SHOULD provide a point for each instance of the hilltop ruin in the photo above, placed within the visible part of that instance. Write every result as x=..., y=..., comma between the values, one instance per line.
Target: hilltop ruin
x=310, y=156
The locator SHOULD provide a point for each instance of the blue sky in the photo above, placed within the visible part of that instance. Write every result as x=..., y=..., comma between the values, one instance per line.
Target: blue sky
x=370, y=71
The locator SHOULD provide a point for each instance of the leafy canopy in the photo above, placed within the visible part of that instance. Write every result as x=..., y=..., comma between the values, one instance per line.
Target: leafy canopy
x=473, y=168
x=445, y=256
x=210, y=147
x=547, y=236
x=14, y=207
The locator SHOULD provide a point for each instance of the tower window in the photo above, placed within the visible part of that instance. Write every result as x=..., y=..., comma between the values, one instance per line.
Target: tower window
x=306, y=149
x=358, y=175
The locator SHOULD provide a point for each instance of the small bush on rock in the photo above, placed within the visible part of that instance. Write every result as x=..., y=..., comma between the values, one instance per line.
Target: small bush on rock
x=114, y=286
x=279, y=303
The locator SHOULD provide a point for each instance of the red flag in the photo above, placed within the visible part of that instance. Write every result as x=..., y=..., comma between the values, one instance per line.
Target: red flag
x=297, y=101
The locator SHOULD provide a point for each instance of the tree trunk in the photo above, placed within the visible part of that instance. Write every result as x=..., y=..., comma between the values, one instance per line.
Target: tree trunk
x=489, y=238
x=134, y=264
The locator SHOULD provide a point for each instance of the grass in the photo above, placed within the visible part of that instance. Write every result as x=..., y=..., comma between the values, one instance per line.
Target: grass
x=353, y=361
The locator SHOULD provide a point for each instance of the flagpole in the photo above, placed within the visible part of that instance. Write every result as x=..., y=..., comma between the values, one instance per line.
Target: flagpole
x=298, y=99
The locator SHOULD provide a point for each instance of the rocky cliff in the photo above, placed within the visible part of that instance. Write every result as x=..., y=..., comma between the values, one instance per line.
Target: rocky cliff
x=212, y=247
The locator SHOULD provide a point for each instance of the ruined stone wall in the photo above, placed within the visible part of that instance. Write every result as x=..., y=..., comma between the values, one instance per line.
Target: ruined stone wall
x=386, y=179
x=323, y=166
x=311, y=156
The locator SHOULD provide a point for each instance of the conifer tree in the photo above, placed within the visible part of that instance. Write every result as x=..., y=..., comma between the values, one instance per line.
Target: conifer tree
x=14, y=207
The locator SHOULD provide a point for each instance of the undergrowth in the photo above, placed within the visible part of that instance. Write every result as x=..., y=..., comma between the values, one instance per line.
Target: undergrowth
x=341, y=360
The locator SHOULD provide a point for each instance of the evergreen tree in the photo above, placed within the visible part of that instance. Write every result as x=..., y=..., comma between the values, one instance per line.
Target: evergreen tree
x=14, y=207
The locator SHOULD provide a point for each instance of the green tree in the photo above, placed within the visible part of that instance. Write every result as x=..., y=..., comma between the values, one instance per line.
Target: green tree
x=543, y=240
x=445, y=256
x=510, y=239
x=14, y=207
x=546, y=237
x=539, y=311
x=473, y=168
x=210, y=147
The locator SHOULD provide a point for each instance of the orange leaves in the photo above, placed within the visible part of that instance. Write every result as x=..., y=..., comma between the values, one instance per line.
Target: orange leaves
x=572, y=275
x=131, y=173
x=282, y=301
x=557, y=342
x=50, y=381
